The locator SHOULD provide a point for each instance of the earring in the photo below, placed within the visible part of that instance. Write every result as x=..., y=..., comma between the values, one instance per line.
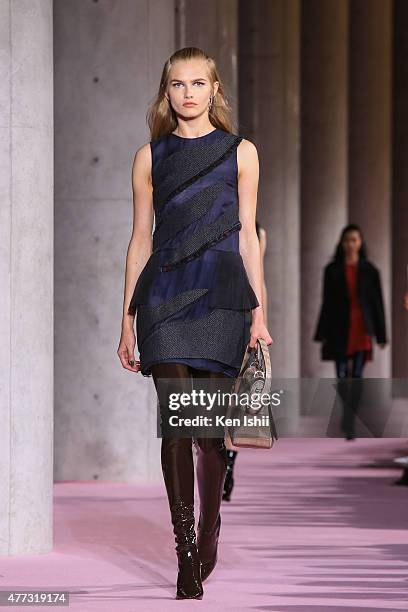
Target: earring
x=210, y=101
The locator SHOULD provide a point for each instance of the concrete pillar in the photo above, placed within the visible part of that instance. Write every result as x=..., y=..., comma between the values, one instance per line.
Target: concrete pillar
x=212, y=25
x=269, y=116
x=369, y=160
x=26, y=276
x=108, y=57
x=324, y=159
x=400, y=191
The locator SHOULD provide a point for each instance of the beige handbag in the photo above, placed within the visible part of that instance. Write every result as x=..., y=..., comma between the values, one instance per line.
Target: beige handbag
x=254, y=378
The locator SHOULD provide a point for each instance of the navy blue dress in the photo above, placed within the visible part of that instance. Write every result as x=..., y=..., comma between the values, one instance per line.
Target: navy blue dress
x=193, y=298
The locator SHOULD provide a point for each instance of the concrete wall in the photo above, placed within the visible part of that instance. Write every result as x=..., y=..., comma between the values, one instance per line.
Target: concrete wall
x=269, y=63
x=26, y=276
x=399, y=333
x=108, y=60
x=369, y=158
x=324, y=176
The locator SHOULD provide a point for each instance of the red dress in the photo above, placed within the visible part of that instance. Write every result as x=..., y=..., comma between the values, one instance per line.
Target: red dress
x=358, y=337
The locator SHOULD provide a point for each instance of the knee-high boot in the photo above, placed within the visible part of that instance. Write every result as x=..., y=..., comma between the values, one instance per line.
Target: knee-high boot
x=178, y=471
x=211, y=470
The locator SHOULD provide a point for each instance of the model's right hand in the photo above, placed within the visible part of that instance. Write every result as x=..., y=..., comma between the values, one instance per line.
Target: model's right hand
x=126, y=350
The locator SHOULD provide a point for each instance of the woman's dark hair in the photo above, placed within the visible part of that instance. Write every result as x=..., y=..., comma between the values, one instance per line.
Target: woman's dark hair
x=338, y=256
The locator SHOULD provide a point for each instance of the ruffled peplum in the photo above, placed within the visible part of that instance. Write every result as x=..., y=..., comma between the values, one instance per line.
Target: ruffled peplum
x=221, y=273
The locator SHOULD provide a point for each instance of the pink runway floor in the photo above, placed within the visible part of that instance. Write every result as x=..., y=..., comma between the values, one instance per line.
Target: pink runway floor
x=313, y=525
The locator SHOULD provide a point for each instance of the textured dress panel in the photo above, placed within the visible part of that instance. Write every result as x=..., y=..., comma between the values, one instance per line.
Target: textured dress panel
x=193, y=298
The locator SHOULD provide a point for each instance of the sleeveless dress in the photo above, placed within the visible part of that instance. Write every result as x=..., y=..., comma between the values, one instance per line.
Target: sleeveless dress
x=193, y=298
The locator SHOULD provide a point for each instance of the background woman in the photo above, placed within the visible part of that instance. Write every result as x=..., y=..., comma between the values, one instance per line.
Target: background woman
x=352, y=310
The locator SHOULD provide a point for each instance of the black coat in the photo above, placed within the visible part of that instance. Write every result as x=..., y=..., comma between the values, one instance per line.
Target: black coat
x=333, y=323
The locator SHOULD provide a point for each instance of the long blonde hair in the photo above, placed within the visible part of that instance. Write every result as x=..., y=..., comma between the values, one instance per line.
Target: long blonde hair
x=162, y=119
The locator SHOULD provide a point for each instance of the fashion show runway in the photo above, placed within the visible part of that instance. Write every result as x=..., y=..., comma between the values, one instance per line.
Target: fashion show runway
x=313, y=525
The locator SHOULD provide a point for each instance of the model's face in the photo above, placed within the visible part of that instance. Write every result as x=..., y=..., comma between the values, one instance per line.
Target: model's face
x=189, y=83
x=351, y=242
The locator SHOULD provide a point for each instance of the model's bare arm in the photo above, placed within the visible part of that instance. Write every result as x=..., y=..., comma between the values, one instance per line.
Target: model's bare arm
x=262, y=244
x=140, y=246
x=248, y=177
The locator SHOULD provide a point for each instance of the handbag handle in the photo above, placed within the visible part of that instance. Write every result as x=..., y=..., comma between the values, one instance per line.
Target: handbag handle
x=251, y=349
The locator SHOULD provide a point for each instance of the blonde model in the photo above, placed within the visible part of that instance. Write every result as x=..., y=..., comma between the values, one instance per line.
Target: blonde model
x=195, y=287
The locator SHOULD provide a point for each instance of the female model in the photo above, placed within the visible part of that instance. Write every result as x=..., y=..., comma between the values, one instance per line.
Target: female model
x=352, y=310
x=351, y=313
x=196, y=284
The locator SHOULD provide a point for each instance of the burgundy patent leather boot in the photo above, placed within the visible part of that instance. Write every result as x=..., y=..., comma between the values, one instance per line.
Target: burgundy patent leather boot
x=178, y=472
x=189, y=566
x=211, y=469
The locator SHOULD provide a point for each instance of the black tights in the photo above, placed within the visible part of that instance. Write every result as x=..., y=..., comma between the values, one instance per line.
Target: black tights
x=357, y=365
x=176, y=453
x=350, y=390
